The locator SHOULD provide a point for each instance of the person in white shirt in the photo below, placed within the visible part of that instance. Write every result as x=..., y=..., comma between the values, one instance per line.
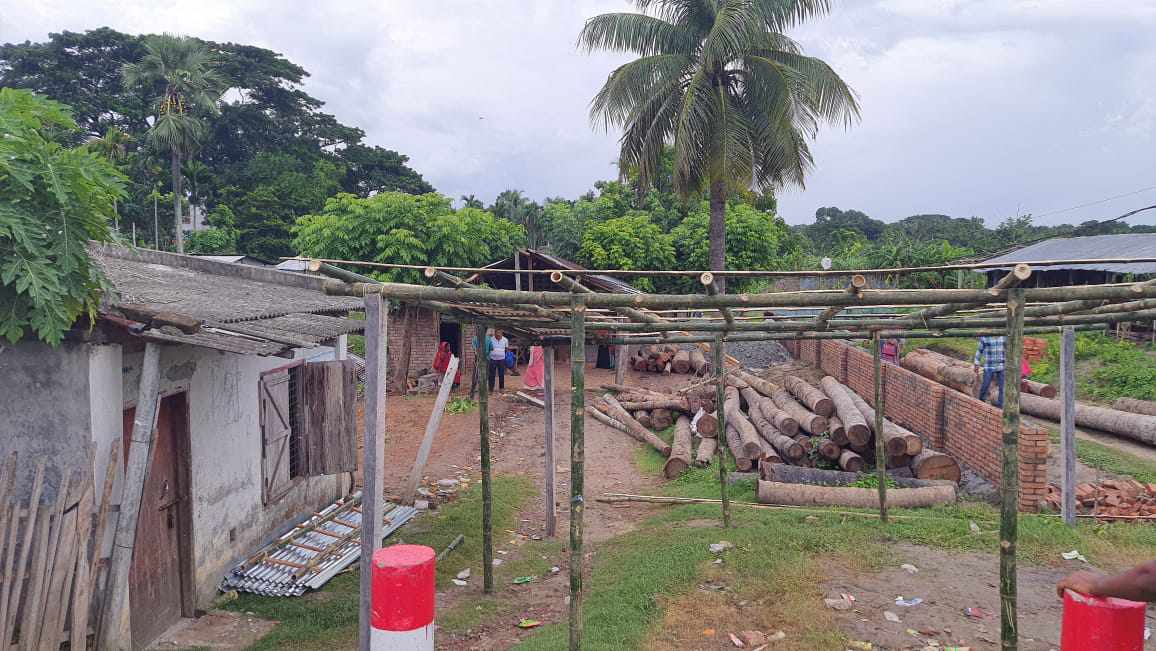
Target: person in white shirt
x=498, y=346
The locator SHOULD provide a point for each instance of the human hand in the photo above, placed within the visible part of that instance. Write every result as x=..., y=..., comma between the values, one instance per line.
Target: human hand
x=1083, y=582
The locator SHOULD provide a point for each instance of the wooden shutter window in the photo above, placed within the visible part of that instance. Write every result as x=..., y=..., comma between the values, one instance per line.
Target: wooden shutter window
x=276, y=434
x=329, y=436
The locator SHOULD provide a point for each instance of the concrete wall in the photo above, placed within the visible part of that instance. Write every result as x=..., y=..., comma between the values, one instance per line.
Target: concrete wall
x=44, y=410
x=229, y=519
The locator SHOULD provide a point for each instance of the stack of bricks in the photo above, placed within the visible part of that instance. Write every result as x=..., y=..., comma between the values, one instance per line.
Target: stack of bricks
x=1110, y=498
x=960, y=425
x=1034, y=349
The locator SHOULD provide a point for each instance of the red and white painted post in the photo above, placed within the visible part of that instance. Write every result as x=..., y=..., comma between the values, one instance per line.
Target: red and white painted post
x=403, y=598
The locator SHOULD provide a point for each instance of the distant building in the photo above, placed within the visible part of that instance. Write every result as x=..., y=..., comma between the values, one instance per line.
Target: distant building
x=239, y=259
x=1094, y=247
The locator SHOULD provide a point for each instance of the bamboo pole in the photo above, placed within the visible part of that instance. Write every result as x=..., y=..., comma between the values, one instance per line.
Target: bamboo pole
x=857, y=284
x=708, y=281
x=1017, y=275
x=483, y=364
x=373, y=453
x=880, y=445
x=1068, y=423
x=577, y=461
x=551, y=481
x=431, y=272
x=720, y=414
x=431, y=429
x=1009, y=477
x=116, y=629
x=842, y=335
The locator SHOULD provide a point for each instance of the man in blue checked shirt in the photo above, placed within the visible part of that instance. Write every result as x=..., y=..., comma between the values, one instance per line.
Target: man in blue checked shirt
x=991, y=351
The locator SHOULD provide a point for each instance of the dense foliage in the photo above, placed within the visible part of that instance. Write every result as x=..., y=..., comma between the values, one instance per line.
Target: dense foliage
x=54, y=198
x=270, y=156
x=405, y=229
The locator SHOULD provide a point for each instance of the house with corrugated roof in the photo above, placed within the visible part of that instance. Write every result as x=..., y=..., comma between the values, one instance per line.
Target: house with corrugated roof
x=1068, y=252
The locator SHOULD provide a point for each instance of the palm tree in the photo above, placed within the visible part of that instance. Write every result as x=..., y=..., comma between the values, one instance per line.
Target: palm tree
x=113, y=145
x=719, y=81
x=182, y=72
x=514, y=206
x=470, y=201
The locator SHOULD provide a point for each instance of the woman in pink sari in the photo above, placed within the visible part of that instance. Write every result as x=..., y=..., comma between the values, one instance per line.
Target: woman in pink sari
x=535, y=370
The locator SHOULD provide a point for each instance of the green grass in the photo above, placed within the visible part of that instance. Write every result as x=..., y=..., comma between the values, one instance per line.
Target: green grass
x=1106, y=368
x=1117, y=462
x=328, y=617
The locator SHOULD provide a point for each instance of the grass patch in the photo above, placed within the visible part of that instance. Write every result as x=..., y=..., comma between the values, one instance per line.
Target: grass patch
x=1117, y=462
x=1106, y=368
x=328, y=618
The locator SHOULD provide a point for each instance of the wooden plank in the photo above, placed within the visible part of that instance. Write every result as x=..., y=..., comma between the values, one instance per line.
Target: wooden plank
x=99, y=532
x=1068, y=423
x=13, y=596
x=373, y=462
x=40, y=575
x=116, y=625
x=620, y=364
x=548, y=407
x=60, y=582
x=329, y=423
x=82, y=587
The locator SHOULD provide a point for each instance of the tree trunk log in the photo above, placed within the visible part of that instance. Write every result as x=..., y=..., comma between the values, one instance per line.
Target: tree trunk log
x=828, y=450
x=679, y=459
x=736, y=418
x=785, y=445
x=896, y=439
x=609, y=406
x=707, y=425
x=804, y=441
x=770, y=455
x=608, y=421
x=669, y=403
x=643, y=418
x=743, y=462
x=779, y=418
x=1038, y=388
x=699, y=363
x=1138, y=427
x=808, y=420
x=810, y=396
x=661, y=418
x=945, y=370
x=853, y=421
x=706, y=450
x=1135, y=406
x=900, y=461
x=868, y=498
x=851, y=461
x=837, y=432
x=930, y=464
x=681, y=361
x=757, y=383
x=817, y=476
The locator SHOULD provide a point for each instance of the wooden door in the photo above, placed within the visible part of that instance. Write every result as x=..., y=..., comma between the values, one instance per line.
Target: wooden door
x=155, y=576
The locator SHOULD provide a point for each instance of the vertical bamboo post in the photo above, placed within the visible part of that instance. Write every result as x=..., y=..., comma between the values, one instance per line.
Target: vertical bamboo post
x=577, y=460
x=373, y=453
x=551, y=483
x=620, y=364
x=484, y=446
x=1068, y=421
x=116, y=629
x=880, y=451
x=720, y=399
x=1009, y=477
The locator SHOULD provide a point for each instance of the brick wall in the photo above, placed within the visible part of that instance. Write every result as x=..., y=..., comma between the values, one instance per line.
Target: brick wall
x=426, y=337
x=969, y=430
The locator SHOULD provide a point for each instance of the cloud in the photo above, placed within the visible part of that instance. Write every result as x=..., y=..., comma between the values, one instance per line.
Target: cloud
x=970, y=107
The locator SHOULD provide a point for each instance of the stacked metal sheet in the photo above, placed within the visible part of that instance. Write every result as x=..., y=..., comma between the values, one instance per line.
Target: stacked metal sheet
x=312, y=552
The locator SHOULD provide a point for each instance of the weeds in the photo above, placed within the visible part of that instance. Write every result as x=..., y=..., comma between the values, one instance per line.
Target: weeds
x=461, y=406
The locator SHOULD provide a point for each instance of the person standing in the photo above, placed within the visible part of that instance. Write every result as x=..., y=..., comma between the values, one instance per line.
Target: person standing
x=991, y=352
x=497, y=346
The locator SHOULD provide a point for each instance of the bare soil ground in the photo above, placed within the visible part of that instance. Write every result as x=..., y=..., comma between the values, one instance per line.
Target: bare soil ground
x=218, y=629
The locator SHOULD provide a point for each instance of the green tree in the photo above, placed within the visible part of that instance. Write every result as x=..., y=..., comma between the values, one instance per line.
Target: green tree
x=629, y=242
x=470, y=201
x=213, y=241
x=719, y=80
x=184, y=72
x=755, y=240
x=53, y=200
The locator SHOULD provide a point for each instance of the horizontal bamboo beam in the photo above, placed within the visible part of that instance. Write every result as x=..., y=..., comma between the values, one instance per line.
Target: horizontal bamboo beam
x=1014, y=278
x=844, y=335
x=432, y=273
x=858, y=284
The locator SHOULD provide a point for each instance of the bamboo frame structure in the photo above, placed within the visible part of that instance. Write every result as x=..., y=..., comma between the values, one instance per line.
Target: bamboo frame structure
x=579, y=316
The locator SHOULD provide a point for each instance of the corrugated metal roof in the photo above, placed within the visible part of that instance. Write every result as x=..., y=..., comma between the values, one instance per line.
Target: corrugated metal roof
x=1128, y=245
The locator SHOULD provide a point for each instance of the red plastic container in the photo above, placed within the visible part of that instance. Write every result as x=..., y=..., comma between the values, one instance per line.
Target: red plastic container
x=1102, y=624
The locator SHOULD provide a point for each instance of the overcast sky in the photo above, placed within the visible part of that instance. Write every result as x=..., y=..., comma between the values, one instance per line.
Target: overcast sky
x=970, y=107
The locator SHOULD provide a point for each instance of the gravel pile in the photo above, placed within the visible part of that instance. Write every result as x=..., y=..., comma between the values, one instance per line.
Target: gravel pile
x=758, y=354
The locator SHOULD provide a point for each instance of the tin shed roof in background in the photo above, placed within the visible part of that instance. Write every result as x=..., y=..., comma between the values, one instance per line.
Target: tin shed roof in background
x=1126, y=245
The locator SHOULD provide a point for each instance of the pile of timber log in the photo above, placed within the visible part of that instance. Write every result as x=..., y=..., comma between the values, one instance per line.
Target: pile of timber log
x=1136, y=426
x=670, y=359
x=796, y=424
x=1110, y=498
x=962, y=375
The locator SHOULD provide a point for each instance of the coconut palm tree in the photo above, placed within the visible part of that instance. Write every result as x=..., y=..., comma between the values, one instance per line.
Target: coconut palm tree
x=719, y=81
x=183, y=74
x=113, y=145
x=470, y=201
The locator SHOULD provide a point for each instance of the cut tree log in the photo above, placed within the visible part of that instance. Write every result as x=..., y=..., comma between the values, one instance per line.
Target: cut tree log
x=699, y=363
x=1135, y=406
x=785, y=445
x=809, y=395
x=851, y=461
x=837, y=432
x=681, y=361
x=770, y=455
x=757, y=383
x=828, y=450
x=930, y=464
x=954, y=373
x=643, y=417
x=805, y=495
x=900, y=461
x=805, y=441
x=609, y=406
x=807, y=419
x=661, y=418
x=706, y=450
x=743, y=462
x=735, y=418
x=1039, y=388
x=779, y=418
x=679, y=459
x=820, y=477
x=606, y=420
x=672, y=403
x=1138, y=427
x=707, y=425
x=896, y=440
x=853, y=421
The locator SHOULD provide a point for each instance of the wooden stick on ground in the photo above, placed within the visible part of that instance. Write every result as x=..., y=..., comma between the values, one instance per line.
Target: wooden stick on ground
x=431, y=430
x=611, y=407
x=679, y=459
x=807, y=495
